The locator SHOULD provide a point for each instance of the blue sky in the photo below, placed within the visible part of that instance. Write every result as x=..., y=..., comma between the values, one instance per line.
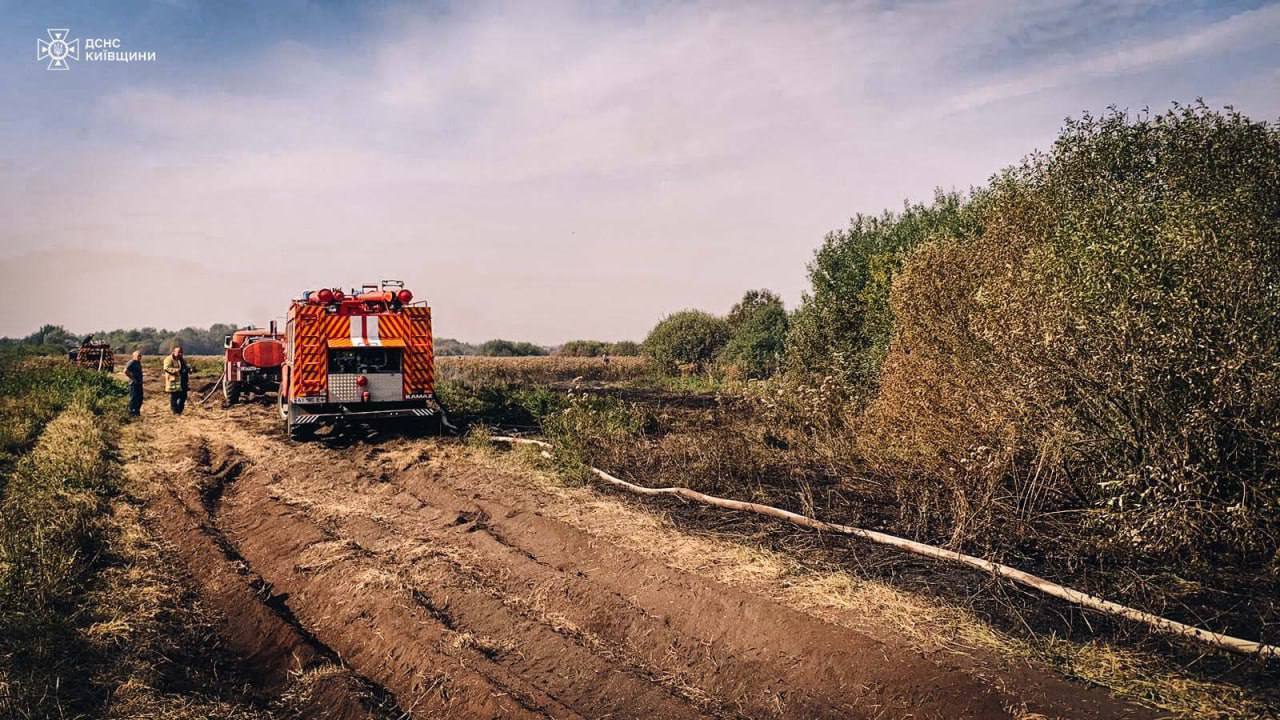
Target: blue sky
x=540, y=171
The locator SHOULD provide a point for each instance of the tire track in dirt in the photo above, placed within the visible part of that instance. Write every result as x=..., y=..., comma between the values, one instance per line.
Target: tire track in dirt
x=738, y=655
x=260, y=631
x=593, y=626
x=403, y=635
x=457, y=596
x=1025, y=691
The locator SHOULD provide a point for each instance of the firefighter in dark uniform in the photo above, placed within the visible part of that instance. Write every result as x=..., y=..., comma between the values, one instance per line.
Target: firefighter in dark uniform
x=134, y=372
x=176, y=372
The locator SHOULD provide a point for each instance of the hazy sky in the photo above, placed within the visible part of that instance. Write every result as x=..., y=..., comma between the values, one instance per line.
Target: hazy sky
x=539, y=171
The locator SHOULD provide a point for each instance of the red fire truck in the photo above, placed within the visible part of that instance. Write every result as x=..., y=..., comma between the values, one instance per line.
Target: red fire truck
x=358, y=356
x=251, y=362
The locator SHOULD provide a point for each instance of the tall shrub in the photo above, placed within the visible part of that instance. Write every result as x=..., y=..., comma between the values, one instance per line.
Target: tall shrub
x=690, y=338
x=1109, y=344
x=625, y=348
x=843, y=324
x=757, y=334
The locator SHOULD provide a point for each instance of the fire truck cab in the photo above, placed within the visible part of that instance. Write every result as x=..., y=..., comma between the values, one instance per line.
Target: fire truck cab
x=358, y=356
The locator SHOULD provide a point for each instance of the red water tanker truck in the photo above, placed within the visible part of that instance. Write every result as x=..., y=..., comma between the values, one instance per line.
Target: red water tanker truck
x=251, y=363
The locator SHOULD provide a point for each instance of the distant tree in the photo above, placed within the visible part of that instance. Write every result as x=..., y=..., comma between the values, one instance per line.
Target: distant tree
x=148, y=340
x=52, y=336
x=445, y=347
x=752, y=301
x=757, y=334
x=844, y=322
x=625, y=348
x=689, y=337
x=510, y=348
x=583, y=348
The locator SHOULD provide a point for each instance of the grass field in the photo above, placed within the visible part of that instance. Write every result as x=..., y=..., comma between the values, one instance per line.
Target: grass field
x=541, y=369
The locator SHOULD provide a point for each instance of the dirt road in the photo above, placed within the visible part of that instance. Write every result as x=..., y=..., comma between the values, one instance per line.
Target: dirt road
x=444, y=587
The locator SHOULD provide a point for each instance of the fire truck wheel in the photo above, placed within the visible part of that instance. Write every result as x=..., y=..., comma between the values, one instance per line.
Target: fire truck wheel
x=231, y=391
x=295, y=430
x=429, y=426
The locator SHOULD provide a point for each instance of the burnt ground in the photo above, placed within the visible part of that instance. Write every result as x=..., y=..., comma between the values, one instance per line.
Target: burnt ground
x=438, y=585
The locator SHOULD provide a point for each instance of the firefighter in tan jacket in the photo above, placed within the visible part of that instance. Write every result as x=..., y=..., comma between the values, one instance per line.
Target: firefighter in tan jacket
x=176, y=372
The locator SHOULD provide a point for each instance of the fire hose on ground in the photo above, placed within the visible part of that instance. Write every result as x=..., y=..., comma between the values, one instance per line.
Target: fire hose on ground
x=1093, y=602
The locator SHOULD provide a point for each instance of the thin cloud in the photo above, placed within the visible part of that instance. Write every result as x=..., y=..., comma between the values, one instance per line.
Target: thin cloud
x=1243, y=31
x=565, y=170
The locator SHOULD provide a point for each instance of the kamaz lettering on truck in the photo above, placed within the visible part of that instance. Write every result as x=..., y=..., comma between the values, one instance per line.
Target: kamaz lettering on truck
x=357, y=357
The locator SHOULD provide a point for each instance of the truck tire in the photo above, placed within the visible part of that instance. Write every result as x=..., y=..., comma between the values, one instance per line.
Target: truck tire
x=429, y=426
x=282, y=402
x=231, y=391
x=296, y=430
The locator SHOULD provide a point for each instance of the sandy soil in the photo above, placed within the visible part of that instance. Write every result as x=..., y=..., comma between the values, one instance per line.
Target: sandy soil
x=457, y=589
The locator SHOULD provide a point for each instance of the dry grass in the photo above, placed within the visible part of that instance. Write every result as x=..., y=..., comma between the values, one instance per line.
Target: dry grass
x=103, y=621
x=324, y=555
x=484, y=644
x=544, y=369
x=872, y=605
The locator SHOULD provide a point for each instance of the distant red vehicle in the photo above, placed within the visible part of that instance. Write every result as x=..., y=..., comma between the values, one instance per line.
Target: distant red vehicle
x=93, y=355
x=251, y=363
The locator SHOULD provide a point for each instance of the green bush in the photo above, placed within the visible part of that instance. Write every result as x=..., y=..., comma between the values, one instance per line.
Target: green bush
x=843, y=325
x=583, y=348
x=496, y=403
x=626, y=348
x=1108, y=346
x=687, y=339
x=445, y=347
x=510, y=348
x=757, y=334
x=590, y=429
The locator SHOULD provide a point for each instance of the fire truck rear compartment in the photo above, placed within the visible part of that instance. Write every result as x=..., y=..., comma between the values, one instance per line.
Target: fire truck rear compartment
x=368, y=360
x=378, y=366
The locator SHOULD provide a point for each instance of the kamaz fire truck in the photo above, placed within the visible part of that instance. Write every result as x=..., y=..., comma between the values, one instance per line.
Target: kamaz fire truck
x=251, y=362
x=356, y=357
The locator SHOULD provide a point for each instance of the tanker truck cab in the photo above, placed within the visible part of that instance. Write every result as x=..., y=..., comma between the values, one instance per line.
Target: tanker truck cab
x=357, y=357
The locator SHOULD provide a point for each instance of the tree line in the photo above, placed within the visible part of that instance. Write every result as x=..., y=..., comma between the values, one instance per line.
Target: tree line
x=55, y=339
